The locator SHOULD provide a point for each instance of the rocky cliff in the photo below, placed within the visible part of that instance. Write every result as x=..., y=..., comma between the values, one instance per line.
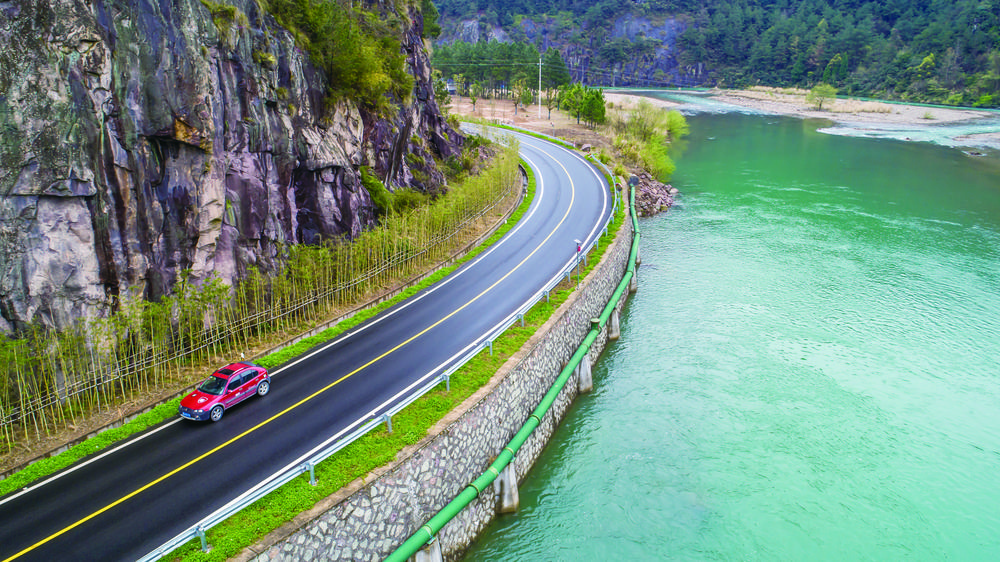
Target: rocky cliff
x=141, y=138
x=656, y=66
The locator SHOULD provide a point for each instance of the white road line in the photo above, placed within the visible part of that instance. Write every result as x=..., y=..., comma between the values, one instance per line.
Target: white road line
x=76, y=467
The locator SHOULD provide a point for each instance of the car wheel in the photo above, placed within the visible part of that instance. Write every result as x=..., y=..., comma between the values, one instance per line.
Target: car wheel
x=216, y=413
x=263, y=388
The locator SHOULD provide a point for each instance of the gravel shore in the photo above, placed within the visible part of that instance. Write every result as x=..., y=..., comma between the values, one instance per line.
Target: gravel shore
x=870, y=115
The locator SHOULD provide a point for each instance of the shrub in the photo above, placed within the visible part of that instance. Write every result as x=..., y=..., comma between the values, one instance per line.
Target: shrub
x=358, y=50
x=407, y=199
x=376, y=189
x=986, y=101
x=266, y=60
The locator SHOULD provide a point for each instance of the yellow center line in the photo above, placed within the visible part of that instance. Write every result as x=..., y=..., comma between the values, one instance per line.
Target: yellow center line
x=218, y=448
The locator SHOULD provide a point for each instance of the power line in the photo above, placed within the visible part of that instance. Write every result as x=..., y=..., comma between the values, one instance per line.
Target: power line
x=599, y=73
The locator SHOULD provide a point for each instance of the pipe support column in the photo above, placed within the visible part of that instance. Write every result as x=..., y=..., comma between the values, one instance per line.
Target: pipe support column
x=615, y=326
x=510, y=499
x=430, y=553
x=585, y=381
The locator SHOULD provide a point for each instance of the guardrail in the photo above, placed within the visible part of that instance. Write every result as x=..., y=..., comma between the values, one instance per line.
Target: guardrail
x=308, y=462
x=434, y=525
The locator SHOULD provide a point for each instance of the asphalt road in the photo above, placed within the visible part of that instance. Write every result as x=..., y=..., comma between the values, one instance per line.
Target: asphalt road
x=125, y=503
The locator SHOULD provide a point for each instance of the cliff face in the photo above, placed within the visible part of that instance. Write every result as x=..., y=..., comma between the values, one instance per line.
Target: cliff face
x=658, y=66
x=141, y=138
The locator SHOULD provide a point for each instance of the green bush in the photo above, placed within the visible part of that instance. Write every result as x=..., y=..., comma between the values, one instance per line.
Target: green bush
x=655, y=159
x=407, y=199
x=225, y=16
x=267, y=60
x=376, y=189
x=358, y=50
x=986, y=101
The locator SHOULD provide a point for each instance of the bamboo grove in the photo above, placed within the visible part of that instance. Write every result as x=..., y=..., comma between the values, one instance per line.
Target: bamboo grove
x=49, y=378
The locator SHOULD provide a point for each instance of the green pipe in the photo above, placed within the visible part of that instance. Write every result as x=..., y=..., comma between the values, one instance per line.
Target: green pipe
x=434, y=525
x=471, y=492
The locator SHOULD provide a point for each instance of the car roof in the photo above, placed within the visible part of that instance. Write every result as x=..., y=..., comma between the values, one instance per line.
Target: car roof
x=233, y=368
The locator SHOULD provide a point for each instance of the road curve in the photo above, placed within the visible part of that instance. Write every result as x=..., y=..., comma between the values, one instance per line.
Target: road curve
x=124, y=503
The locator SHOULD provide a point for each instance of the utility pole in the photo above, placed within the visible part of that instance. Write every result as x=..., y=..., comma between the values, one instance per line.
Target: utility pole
x=539, y=86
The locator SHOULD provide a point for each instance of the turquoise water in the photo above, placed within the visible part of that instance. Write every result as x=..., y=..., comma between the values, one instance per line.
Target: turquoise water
x=809, y=370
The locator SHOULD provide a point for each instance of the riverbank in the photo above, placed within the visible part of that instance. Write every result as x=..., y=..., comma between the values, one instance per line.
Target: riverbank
x=956, y=127
x=787, y=101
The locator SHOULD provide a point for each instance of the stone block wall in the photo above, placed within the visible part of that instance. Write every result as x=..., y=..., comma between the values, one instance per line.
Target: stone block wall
x=371, y=522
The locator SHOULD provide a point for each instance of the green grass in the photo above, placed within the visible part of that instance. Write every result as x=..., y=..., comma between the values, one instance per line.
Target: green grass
x=482, y=121
x=55, y=463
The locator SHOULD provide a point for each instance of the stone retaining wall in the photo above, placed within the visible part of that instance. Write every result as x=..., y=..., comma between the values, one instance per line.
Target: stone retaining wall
x=382, y=513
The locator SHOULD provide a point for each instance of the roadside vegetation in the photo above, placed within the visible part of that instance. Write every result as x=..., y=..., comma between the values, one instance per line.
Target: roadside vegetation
x=50, y=380
x=644, y=136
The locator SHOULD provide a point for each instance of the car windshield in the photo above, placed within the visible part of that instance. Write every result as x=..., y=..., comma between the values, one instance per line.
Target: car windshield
x=214, y=385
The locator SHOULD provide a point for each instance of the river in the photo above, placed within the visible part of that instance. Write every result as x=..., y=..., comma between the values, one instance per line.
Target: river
x=810, y=369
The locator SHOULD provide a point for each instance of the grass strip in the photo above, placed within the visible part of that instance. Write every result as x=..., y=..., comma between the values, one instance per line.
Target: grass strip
x=548, y=138
x=380, y=447
x=100, y=441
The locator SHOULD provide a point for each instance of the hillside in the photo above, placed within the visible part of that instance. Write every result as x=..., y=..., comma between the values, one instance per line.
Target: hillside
x=938, y=51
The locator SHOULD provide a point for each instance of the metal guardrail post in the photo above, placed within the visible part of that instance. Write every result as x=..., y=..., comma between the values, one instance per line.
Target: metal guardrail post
x=312, y=473
x=521, y=318
x=200, y=532
x=388, y=422
x=447, y=382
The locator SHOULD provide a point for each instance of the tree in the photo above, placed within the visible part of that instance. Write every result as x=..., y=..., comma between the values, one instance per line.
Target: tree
x=432, y=29
x=526, y=94
x=441, y=90
x=554, y=70
x=521, y=92
x=820, y=94
x=836, y=70
x=572, y=98
x=594, y=109
x=359, y=52
x=551, y=100
x=475, y=92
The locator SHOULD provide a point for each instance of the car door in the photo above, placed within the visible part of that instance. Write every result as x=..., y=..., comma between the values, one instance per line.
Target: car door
x=234, y=390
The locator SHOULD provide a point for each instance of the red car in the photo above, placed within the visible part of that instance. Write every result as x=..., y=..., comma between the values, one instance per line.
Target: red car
x=226, y=388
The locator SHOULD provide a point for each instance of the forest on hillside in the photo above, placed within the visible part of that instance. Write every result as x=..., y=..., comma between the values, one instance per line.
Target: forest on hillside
x=943, y=51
